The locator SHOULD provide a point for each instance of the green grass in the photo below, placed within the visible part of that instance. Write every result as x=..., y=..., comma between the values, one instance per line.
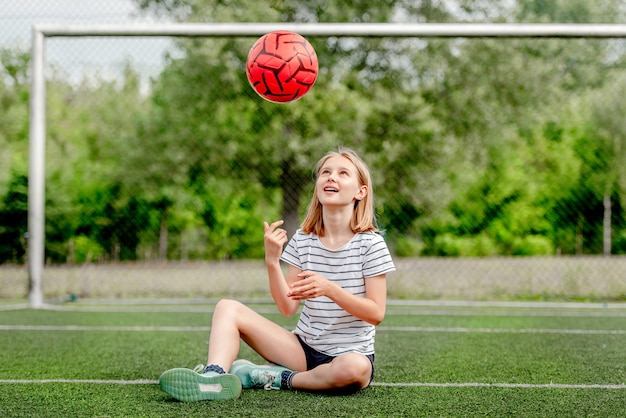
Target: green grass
x=430, y=361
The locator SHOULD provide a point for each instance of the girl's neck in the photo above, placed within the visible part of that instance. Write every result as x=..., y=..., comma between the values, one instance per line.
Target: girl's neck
x=337, y=231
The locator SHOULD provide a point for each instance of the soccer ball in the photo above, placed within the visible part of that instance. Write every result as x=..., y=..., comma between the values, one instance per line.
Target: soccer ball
x=281, y=66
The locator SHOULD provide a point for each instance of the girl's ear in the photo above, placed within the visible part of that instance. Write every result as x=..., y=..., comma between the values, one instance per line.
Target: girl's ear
x=360, y=195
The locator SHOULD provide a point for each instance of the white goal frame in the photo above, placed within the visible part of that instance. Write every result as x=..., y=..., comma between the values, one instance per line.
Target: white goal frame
x=37, y=135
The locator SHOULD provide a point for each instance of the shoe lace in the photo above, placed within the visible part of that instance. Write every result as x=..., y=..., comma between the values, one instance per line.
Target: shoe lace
x=199, y=368
x=265, y=378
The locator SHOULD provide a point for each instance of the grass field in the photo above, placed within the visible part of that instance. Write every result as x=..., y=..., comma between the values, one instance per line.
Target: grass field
x=432, y=359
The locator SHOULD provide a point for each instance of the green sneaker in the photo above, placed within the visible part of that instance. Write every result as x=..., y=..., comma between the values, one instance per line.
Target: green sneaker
x=256, y=376
x=189, y=385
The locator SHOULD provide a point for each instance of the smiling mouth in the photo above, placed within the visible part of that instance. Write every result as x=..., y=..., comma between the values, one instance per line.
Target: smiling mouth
x=330, y=189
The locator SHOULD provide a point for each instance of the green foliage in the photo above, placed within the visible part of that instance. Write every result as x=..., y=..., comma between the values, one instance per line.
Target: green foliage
x=533, y=245
x=478, y=147
x=85, y=249
x=13, y=218
x=464, y=246
x=83, y=194
x=404, y=246
x=233, y=227
x=14, y=96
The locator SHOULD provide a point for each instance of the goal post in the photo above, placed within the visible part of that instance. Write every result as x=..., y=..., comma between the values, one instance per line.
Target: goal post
x=37, y=134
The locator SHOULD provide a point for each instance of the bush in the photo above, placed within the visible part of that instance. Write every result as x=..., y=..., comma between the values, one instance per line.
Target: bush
x=472, y=246
x=533, y=245
x=86, y=250
x=408, y=247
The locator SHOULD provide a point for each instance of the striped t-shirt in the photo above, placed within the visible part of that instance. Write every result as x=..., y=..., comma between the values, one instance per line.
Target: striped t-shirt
x=323, y=325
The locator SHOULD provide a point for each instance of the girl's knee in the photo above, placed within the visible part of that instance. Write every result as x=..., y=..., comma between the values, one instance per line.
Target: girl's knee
x=354, y=371
x=227, y=307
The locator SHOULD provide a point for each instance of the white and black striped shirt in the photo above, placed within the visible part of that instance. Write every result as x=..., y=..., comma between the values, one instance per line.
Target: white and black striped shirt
x=323, y=325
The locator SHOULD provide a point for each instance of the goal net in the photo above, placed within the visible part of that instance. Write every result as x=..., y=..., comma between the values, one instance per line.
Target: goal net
x=497, y=152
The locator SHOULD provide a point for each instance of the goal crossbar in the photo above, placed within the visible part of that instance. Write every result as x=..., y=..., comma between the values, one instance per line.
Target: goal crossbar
x=454, y=30
x=37, y=134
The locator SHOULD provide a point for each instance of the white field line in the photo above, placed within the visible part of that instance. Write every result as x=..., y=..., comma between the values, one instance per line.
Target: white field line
x=99, y=328
x=407, y=384
x=390, y=312
x=89, y=381
x=381, y=329
x=502, y=385
x=395, y=307
x=506, y=330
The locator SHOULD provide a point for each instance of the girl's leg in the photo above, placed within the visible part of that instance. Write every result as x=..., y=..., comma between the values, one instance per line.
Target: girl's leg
x=348, y=372
x=233, y=321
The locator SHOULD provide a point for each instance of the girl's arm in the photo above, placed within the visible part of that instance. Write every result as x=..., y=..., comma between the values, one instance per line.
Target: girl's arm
x=279, y=288
x=370, y=308
x=274, y=240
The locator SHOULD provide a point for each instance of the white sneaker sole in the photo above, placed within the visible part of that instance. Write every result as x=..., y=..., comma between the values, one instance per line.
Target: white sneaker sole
x=188, y=386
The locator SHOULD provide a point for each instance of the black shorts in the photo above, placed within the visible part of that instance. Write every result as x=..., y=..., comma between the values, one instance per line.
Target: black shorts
x=314, y=358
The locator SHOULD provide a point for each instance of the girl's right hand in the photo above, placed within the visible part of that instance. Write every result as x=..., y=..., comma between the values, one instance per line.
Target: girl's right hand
x=274, y=239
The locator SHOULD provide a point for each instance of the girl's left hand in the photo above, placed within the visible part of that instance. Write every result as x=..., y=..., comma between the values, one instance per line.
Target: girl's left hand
x=310, y=285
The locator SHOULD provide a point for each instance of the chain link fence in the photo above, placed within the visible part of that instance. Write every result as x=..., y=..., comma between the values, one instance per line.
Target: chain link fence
x=497, y=163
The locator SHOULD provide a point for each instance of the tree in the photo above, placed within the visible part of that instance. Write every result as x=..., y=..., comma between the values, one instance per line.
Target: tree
x=13, y=219
x=14, y=98
x=477, y=146
x=607, y=138
x=88, y=132
x=278, y=144
x=497, y=96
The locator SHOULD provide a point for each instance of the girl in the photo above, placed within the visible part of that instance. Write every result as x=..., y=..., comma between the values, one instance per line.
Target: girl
x=337, y=266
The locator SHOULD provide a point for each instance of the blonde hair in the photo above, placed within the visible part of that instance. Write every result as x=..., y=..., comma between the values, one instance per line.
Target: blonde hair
x=363, y=215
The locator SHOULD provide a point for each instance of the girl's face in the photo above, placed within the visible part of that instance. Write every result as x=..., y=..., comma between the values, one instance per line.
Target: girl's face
x=338, y=182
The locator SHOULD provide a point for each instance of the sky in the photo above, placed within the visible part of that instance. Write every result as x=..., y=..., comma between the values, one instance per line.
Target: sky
x=77, y=56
